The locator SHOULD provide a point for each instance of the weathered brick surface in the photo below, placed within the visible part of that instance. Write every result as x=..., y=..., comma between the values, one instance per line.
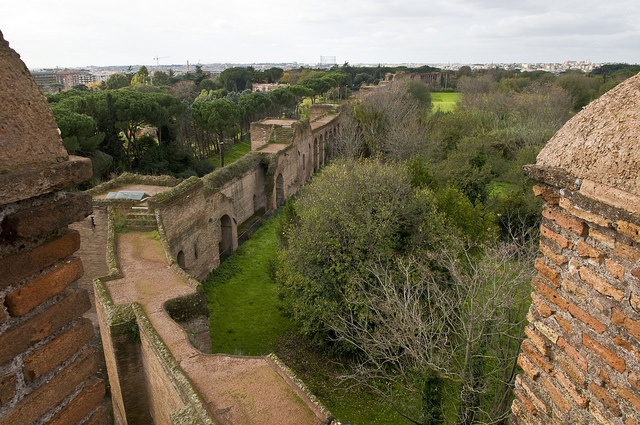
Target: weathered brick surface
x=599, y=236
x=586, y=318
x=556, y=396
x=528, y=367
x=82, y=404
x=574, y=289
x=542, y=307
x=548, y=252
x=615, y=269
x=564, y=324
x=531, y=395
x=621, y=342
x=609, y=357
x=547, y=194
x=547, y=272
x=51, y=393
x=550, y=234
x=572, y=390
x=549, y=293
x=538, y=341
x=602, y=394
x=47, y=218
x=531, y=408
x=16, y=340
x=568, y=206
x=586, y=250
x=571, y=224
x=573, y=353
x=626, y=322
x=536, y=357
x=16, y=267
x=7, y=387
x=630, y=397
x=24, y=299
x=627, y=252
x=629, y=229
x=571, y=370
x=100, y=416
x=3, y=314
x=634, y=380
x=58, y=350
x=599, y=284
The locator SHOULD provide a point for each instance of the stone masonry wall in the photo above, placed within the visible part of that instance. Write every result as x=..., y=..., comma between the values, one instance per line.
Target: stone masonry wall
x=47, y=370
x=581, y=357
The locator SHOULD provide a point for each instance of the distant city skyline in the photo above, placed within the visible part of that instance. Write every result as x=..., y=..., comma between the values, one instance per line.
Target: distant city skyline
x=70, y=33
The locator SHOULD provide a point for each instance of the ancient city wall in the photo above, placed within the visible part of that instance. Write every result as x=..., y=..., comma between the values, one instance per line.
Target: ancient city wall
x=581, y=358
x=47, y=369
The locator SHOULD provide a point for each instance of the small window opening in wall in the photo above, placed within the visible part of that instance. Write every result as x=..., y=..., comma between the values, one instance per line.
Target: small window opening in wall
x=303, y=162
x=180, y=259
x=195, y=251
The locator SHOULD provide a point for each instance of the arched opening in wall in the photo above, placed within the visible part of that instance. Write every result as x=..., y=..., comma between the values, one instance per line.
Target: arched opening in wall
x=315, y=155
x=195, y=251
x=256, y=207
x=180, y=259
x=226, y=233
x=304, y=165
x=279, y=190
x=321, y=151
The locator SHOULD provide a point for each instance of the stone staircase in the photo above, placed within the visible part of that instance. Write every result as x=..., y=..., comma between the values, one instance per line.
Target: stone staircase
x=282, y=135
x=141, y=219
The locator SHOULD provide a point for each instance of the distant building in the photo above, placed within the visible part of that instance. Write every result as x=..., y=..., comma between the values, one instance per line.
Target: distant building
x=267, y=87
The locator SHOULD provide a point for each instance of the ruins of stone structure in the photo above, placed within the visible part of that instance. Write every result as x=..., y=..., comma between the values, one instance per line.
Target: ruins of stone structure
x=582, y=355
x=47, y=369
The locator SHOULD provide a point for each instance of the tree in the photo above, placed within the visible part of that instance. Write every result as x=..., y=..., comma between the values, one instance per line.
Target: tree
x=160, y=78
x=116, y=81
x=220, y=116
x=282, y=99
x=236, y=79
x=141, y=77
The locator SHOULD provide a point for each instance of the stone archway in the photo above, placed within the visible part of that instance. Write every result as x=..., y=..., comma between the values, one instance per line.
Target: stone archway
x=226, y=236
x=279, y=190
x=315, y=155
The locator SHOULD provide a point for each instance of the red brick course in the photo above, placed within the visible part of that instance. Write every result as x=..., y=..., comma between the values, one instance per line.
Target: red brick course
x=611, y=359
x=536, y=357
x=16, y=267
x=7, y=387
x=571, y=224
x=556, y=258
x=528, y=367
x=82, y=404
x=538, y=341
x=47, y=218
x=599, y=284
x=587, y=251
x=526, y=403
x=626, y=322
x=547, y=194
x=550, y=234
x=549, y=293
x=572, y=370
x=100, y=416
x=627, y=252
x=571, y=389
x=51, y=393
x=58, y=350
x=18, y=339
x=556, y=396
x=586, y=318
x=564, y=324
x=573, y=353
x=547, y=272
x=24, y=299
x=629, y=396
x=615, y=269
x=602, y=394
x=634, y=380
x=629, y=229
x=542, y=307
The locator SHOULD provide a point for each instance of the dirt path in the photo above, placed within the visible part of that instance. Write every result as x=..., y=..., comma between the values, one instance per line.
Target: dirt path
x=236, y=390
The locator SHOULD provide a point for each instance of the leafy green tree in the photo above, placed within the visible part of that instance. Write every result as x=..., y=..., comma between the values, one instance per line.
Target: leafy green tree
x=116, y=81
x=273, y=74
x=220, y=116
x=254, y=106
x=141, y=77
x=236, y=79
x=282, y=99
x=160, y=78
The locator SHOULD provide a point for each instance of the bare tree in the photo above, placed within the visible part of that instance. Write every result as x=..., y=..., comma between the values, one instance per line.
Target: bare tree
x=459, y=312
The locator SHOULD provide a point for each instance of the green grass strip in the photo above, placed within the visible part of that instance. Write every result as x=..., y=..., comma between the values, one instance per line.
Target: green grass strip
x=242, y=298
x=236, y=151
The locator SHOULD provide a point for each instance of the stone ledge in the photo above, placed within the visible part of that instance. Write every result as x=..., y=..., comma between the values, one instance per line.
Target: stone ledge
x=34, y=182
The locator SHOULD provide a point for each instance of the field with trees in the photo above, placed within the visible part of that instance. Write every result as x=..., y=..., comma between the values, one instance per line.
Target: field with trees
x=399, y=286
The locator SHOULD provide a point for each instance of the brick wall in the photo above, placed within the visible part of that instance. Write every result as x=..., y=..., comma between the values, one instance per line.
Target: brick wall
x=581, y=358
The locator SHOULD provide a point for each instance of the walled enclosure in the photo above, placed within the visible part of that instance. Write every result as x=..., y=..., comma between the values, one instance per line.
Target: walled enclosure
x=581, y=359
x=150, y=358
x=46, y=367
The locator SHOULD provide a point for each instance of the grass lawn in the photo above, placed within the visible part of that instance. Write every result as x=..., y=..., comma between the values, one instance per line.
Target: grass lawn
x=245, y=320
x=242, y=298
x=445, y=101
x=236, y=151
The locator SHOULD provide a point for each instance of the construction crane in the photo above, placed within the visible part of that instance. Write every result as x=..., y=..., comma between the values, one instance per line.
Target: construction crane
x=157, y=59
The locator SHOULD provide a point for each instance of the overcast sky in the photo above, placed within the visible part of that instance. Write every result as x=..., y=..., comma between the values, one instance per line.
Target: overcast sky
x=74, y=33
